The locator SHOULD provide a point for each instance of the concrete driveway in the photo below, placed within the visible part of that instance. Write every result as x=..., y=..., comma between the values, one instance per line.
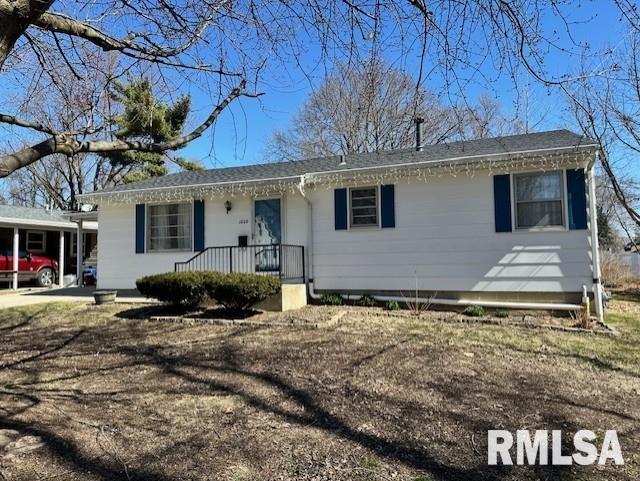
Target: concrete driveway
x=31, y=296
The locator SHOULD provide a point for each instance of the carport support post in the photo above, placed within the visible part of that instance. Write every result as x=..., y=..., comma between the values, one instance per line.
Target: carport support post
x=79, y=253
x=61, y=261
x=16, y=256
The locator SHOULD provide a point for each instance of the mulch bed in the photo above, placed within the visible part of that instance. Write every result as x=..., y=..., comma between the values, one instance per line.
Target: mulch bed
x=307, y=317
x=522, y=319
x=315, y=316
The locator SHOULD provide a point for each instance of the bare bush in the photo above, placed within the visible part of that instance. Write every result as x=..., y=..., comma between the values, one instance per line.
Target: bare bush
x=415, y=303
x=615, y=272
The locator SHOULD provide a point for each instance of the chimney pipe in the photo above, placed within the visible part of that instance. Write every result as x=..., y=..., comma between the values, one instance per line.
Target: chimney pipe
x=419, y=121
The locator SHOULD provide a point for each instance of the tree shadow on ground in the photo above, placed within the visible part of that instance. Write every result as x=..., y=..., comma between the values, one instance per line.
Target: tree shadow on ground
x=228, y=367
x=318, y=416
x=71, y=454
x=314, y=415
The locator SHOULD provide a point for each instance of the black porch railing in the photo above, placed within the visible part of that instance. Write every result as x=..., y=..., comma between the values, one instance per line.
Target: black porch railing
x=280, y=260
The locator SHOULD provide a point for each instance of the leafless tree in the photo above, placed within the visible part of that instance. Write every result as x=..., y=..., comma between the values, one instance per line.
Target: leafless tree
x=73, y=105
x=605, y=100
x=225, y=48
x=362, y=108
x=486, y=119
x=372, y=107
x=36, y=41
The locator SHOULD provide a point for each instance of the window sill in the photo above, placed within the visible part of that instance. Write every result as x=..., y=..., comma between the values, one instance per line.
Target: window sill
x=529, y=230
x=364, y=227
x=165, y=251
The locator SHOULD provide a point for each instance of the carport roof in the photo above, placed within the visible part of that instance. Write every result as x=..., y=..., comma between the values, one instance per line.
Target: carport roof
x=33, y=217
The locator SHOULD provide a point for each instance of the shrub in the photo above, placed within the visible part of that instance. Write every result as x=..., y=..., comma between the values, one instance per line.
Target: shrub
x=502, y=314
x=391, y=305
x=180, y=289
x=615, y=272
x=367, y=300
x=474, y=311
x=331, y=299
x=238, y=291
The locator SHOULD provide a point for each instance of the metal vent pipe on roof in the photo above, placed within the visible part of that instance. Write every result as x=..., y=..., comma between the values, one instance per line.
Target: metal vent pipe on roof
x=419, y=121
x=342, y=161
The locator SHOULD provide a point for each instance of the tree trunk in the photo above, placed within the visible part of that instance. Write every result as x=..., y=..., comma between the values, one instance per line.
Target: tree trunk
x=15, y=18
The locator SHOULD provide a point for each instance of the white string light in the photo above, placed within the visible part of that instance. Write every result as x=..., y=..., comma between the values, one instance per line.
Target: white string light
x=373, y=176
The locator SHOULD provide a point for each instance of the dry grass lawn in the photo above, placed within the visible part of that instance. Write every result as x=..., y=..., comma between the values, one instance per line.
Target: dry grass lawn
x=111, y=397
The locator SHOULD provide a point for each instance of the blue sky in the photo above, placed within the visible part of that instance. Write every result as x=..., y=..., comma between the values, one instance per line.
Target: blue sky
x=243, y=130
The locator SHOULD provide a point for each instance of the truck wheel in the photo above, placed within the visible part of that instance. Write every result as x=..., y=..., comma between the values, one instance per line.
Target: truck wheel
x=45, y=277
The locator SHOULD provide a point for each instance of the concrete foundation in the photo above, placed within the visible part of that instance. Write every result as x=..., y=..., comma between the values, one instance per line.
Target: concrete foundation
x=292, y=296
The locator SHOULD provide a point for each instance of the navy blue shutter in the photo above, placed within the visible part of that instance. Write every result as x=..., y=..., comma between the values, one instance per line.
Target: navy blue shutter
x=387, y=206
x=576, y=199
x=198, y=225
x=340, y=208
x=140, y=211
x=502, y=202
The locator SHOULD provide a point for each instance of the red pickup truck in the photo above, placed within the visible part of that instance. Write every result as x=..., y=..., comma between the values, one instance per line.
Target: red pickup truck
x=36, y=267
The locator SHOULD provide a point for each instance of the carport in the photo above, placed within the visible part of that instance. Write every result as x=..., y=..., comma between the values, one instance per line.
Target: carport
x=44, y=232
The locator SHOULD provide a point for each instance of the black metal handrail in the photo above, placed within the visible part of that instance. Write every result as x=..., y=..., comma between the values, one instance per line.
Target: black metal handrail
x=282, y=260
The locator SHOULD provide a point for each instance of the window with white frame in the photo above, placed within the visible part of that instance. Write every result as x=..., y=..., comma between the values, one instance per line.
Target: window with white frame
x=169, y=227
x=36, y=241
x=363, y=204
x=539, y=199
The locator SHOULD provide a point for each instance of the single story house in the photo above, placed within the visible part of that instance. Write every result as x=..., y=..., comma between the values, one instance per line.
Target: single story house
x=507, y=221
x=29, y=236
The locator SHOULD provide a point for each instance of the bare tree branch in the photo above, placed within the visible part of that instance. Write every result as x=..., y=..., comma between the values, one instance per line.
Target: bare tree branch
x=10, y=119
x=69, y=145
x=15, y=18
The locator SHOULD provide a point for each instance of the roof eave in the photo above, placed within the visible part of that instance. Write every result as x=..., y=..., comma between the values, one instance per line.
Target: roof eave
x=525, y=155
x=36, y=223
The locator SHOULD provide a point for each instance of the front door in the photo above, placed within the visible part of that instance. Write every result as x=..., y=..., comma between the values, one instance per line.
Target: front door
x=267, y=234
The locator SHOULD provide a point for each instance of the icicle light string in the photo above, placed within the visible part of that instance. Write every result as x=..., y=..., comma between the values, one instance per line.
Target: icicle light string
x=373, y=176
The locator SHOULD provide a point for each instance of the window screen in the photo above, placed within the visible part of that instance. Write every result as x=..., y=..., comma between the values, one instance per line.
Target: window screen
x=539, y=200
x=169, y=227
x=364, y=206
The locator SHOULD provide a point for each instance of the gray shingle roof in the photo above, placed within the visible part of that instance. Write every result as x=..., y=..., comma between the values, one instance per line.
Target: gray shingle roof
x=31, y=213
x=556, y=139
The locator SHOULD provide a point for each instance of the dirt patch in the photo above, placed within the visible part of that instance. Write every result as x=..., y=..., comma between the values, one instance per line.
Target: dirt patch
x=113, y=397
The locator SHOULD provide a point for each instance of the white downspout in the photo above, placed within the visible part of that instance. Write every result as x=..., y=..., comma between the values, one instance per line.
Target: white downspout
x=595, y=250
x=309, y=269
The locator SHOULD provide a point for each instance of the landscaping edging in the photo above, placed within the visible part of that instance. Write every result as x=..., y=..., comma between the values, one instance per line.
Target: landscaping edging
x=232, y=322
x=602, y=328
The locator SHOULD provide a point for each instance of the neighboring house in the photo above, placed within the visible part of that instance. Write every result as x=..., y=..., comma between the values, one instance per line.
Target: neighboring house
x=31, y=241
x=502, y=221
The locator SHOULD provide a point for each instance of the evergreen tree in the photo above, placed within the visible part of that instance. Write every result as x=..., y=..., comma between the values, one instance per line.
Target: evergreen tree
x=146, y=119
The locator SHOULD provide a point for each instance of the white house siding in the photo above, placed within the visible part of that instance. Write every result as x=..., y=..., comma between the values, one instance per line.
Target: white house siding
x=120, y=266
x=445, y=240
